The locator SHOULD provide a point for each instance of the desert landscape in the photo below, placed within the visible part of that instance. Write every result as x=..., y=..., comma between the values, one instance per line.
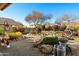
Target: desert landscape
x=43, y=37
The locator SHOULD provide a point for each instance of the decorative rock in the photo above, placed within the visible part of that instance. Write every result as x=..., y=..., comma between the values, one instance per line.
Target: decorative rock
x=46, y=49
x=38, y=42
x=63, y=39
x=8, y=46
x=2, y=44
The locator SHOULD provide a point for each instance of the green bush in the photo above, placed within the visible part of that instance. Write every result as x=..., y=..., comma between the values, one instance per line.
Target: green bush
x=51, y=40
x=77, y=29
x=71, y=38
x=59, y=27
x=48, y=28
x=1, y=30
x=34, y=46
x=19, y=28
x=62, y=27
x=39, y=30
x=56, y=27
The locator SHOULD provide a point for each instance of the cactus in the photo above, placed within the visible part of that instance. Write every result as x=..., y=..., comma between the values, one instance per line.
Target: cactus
x=15, y=35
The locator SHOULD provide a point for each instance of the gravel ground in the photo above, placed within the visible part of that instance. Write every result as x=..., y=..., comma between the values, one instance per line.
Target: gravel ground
x=20, y=48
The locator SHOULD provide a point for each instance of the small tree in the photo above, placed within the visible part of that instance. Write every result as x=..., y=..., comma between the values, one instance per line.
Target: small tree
x=37, y=18
x=67, y=18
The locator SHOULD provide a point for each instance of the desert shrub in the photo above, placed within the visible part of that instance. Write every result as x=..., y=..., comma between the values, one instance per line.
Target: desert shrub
x=62, y=27
x=27, y=30
x=43, y=27
x=70, y=38
x=22, y=29
x=15, y=35
x=1, y=30
x=48, y=28
x=12, y=35
x=71, y=28
x=56, y=27
x=34, y=46
x=59, y=27
x=39, y=29
x=77, y=29
x=33, y=31
x=19, y=28
x=6, y=36
x=51, y=40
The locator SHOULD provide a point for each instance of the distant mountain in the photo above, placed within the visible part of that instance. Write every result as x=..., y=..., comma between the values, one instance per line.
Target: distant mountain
x=10, y=21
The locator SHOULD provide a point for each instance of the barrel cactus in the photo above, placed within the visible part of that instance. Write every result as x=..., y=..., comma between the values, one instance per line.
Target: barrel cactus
x=15, y=35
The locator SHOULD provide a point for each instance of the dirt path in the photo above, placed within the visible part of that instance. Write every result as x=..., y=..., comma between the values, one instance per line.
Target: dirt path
x=20, y=48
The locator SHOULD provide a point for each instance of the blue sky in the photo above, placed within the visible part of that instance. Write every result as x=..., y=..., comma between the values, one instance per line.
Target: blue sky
x=18, y=11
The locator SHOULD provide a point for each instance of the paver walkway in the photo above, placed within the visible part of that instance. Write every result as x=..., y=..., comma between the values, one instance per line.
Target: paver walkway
x=24, y=47
x=20, y=48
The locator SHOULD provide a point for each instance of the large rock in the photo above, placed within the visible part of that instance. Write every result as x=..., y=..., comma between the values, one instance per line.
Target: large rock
x=38, y=42
x=46, y=49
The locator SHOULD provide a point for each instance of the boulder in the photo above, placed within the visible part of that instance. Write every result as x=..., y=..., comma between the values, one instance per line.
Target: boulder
x=46, y=49
x=38, y=42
